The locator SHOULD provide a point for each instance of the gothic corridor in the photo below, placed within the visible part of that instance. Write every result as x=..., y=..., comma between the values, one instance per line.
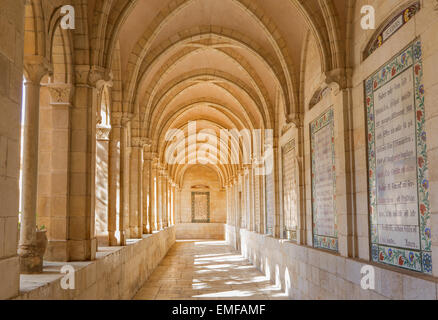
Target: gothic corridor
x=218, y=149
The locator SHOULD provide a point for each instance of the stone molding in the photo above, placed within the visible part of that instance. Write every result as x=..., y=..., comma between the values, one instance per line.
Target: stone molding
x=120, y=119
x=36, y=67
x=94, y=76
x=60, y=94
x=137, y=142
x=103, y=133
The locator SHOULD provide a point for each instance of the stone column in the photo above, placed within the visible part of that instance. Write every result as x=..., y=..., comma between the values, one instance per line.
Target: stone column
x=125, y=154
x=257, y=195
x=135, y=186
x=228, y=188
x=154, y=193
x=232, y=202
x=173, y=203
x=114, y=183
x=30, y=261
x=57, y=174
x=277, y=197
x=246, y=195
x=164, y=191
x=169, y=202
x=147, y=190
x=177, y=214
x=301, y=232
x=251, y=200
x=160, y=204
x=237, y=211
x=102, y=160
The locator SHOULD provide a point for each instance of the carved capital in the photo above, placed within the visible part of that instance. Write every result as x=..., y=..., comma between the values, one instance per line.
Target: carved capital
x=35, y=68
x=295, y=118
x=116, y=119
x=103, y=133
x=137, y=142
x=163, y=173
x=94, y=76
x=100, y=77
x=60, y=94
x=120, y=119
x=334, y=79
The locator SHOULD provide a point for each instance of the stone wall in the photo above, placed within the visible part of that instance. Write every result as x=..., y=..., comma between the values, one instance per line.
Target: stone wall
x=308, y=273
x=422, y=26
x=213, y=231
x=202, y=179
x=11, y=66
x=117, y=273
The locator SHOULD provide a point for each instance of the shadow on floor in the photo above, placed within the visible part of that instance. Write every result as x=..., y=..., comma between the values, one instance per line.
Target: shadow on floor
x=207, y=270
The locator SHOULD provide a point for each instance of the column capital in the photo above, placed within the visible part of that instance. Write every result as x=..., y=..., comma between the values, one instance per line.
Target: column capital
x=295, y=118
x=137, y=142
x=60, y=93
x=103, y=133
x=93, y=76
x=120, y=119
x=155, y=160
x=35, y=68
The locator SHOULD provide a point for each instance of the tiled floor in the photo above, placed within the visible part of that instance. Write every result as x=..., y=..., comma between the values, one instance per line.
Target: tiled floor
x=207, y=270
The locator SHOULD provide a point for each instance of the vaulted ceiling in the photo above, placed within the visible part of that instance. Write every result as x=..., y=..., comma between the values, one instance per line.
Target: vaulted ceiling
x=225, y=64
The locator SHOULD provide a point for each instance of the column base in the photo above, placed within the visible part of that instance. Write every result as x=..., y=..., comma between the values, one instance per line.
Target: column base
x=117, y=238
x=102, y=239
x=136, y=233
x=71, y=250
x=31, y=261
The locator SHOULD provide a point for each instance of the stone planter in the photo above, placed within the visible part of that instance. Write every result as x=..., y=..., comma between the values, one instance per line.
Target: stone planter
x=41, y=242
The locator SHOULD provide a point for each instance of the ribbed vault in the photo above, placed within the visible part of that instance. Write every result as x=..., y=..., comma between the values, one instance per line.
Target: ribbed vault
x=224, y=65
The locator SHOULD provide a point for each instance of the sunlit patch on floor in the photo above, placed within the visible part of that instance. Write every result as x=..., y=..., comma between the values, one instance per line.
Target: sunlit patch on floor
x=207, y=270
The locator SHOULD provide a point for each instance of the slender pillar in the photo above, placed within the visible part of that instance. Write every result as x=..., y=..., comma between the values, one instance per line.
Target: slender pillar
x=147, y=190
x=114, y=183
x=125, y=154
x=135, y=184
x=252, y=200
x=173, y=203
x=154, y=194
x=164, y=199
x=160, y=199
x=102, y=147
x=56, y=175
x=30, y=260
x=178, y=205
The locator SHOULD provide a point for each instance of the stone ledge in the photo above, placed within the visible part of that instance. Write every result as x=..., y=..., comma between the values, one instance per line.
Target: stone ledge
x=117, y=272
x=312, y=271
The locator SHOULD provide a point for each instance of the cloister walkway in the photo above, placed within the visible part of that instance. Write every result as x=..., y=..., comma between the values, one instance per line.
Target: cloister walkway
x=207, y=270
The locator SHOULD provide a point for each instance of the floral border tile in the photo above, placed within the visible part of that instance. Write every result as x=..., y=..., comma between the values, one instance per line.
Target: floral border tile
x=321, y=241
x=417, y=260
